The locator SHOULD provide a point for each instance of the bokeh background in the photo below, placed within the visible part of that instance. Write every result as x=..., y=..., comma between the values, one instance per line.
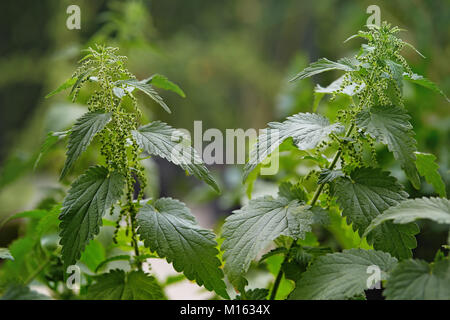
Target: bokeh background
x=232, y=58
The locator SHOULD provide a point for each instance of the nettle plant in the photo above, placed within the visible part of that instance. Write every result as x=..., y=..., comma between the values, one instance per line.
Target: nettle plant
x=349, y=185
x=112, y=193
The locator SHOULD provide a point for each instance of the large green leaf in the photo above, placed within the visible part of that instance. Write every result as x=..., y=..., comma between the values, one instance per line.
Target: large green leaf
x=436, y=209
x=418, y=280
x=367, y=194
x=90, y=196
x=116, y=285
x=147, y=89
x=323, y=65
x=306, y=130
x=252, y=228
x=341, y=275
x=82, y=134
x=169, y=228
x=158, y=138
x=390, y=125
x=428, y=168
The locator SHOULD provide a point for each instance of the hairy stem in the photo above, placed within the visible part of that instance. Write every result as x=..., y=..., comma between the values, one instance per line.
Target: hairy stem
x=319, y=190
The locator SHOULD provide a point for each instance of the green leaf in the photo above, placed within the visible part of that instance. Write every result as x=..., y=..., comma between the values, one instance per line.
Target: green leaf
x=418, y=280
x=19, y=292
x=306, y=130
x=66, y=85
x=169, y=228
x=366, y=195
x=5, y=254
x=162, y=82
x=341, y=275
x=50, y=141
x=82, y=134
x=424, y=82
x=254, y=294
x=327, y=175
x=116, y=285
x=323, y=65
x=436, y=209
x=147, y=89
x=335, y=86
x=292, y=192
x=390, y=126
x=122, y=257
x=90, y=196
x=158, y=138
x=428, y=168
x=93, y=255
x=252, y=228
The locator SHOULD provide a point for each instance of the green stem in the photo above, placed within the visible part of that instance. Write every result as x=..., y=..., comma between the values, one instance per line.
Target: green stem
x=313, y=202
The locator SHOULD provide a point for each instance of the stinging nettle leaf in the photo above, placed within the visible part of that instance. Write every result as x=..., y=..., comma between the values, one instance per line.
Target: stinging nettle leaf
x=66, y=85
x=424, y=82
x=341, y=275
x=81, y=135
x=436, y=209
x=169, y=228
x=89, y=198
x=390, y=126
x=306, y=130
x=147, y=89
x=418, y=280
x=162, y=82
x=428, y=168
x=158, y=138
x=50, y=141
x=323, y=65
x=367, y=194
x=327, y=175
x=252, y=228
x=118, y=285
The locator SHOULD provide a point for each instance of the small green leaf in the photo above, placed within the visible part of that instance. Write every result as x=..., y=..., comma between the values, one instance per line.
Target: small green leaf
x=147, y=89
x=169, y=228
x=436, y=209
x=116, y=285
x=323, y=65
x=366, y=195
x=90, y=196
x=5, y=254
x=66, y=85
x=162, y=82
x=254, y=294
x=428, y=168
x=122, y=257
x=327, y=175
x=292, y=192
x=390, y=126
x=341, y=275
x=50, y=141
x=252, y=228
x=158, y=138
x=306, y=130
x=418, y=280
x=424, y=82
x=82, y=134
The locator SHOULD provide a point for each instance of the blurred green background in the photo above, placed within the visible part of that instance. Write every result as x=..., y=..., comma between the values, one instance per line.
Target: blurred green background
x=232, y=58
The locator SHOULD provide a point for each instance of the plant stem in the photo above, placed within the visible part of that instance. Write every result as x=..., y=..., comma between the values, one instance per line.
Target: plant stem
x=313, y=202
